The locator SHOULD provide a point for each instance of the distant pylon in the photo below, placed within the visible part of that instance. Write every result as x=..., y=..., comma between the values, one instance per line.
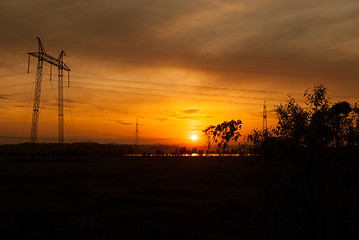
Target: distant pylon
x=264, y=117
x=42, y=56
x=136, y=137
x=136, y=140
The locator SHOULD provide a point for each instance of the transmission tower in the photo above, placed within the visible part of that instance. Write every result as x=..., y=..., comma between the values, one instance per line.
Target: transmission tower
x=264, y=117
x=42, y=56
x=136, y=137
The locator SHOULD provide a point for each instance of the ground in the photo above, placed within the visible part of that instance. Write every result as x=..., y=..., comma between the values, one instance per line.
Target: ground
x=172, y=198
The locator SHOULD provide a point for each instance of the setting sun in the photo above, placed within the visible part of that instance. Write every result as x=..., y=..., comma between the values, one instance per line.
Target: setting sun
x=194, y=138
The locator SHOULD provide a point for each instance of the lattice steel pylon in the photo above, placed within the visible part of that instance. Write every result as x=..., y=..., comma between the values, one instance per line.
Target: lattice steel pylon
x=264, y=117
x=136, y=137
x=42, y=56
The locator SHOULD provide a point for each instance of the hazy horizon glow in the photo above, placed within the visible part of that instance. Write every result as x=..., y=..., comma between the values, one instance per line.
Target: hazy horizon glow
x=177, y=66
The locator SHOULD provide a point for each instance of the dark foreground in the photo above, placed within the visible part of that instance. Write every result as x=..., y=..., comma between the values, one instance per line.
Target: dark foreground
x=176, y=198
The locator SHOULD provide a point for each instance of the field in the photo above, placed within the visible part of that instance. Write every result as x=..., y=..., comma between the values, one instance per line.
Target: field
x=175, y=198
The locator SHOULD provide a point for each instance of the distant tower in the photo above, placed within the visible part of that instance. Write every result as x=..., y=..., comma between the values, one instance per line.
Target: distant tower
x=136, y=137
x=264, y=117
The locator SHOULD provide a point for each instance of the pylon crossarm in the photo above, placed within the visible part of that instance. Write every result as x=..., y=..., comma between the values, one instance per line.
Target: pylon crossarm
x=50, y=59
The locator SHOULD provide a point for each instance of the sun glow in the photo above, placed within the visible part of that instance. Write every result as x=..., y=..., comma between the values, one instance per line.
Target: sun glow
x=194, y=138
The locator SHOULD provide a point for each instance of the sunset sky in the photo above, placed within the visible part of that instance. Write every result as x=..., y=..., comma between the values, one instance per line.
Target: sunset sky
x=177, y=66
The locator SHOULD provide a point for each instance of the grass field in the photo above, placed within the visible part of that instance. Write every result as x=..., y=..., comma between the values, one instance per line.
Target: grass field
x=175, y=198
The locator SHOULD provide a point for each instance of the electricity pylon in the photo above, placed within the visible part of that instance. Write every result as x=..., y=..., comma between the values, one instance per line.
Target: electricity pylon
x=264, y=117
x=42, y=56
x=136, y=137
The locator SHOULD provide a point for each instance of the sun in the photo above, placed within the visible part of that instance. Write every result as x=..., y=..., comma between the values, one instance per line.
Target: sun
x=194, y=138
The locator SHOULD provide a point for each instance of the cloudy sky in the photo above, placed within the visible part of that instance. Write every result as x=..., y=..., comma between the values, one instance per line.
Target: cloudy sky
x=177, y=66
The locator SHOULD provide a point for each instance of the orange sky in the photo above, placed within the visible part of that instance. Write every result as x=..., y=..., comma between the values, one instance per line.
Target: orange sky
x=178, y=66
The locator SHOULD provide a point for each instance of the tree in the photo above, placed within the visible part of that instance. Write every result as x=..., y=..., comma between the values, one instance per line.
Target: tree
x=262, y=141
x=183, y=151
x=318, y=134
x=226, y=132
x=353, y=138
x=194, y=150
x=209, y=137
x=316, y=129
x=340, y=123
x=292, y=120
x=200, y=152
x=317, y=100
x=256, y=137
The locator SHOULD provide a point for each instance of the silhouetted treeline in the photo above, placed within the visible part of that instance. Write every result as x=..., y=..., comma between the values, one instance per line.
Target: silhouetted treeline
x=315, y=149
x=83, y=149
x=318, y=129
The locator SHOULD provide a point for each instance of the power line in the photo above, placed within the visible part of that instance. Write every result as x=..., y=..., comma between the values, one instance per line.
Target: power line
x=12, y=74
x=11, y=137
x=181, y=92
x=47, y=93
x=72, y=120
x=16, y=84
x=24, y=92
x=180, y=85
x=169, y=50
x=204, y=87
x=27, y=111
x=186, y=85
x=11, y=64
x=16, y=137
x=220, y=69
x=170, y=96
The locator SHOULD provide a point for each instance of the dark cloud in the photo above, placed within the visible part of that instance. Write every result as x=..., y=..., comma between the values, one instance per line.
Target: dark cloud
x=188, y=117
x=174, y=115
x=194, y=33
x=258, y=44
x=4, y=97
x=72, y=101
x=191, y=111
x=123, y=123
x=162, y=119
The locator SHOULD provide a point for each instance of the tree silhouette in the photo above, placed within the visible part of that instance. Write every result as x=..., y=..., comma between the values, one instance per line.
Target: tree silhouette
x=318, y=135
x=340, y=123
x=292, y=120
x=353, y=137
x=317, y=100
x=317, y=128
x=262, y=141
x=209, y=137
x=226, y=132
x=183, y=151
